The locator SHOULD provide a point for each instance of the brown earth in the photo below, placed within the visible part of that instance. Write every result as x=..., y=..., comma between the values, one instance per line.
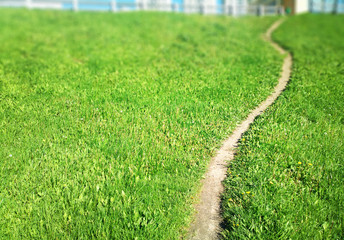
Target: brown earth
x=208, y=218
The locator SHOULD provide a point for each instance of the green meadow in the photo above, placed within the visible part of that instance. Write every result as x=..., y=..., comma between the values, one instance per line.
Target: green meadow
x=287, y=180
x=108, y=121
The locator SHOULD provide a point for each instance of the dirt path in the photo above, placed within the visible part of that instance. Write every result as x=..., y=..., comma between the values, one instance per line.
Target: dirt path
x=208, y=218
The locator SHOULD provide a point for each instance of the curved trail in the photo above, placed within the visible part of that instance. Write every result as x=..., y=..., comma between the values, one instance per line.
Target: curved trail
x=208, y=218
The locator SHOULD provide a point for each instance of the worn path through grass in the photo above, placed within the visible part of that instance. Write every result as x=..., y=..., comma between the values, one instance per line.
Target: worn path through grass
x=208, y=217
x=286, y=181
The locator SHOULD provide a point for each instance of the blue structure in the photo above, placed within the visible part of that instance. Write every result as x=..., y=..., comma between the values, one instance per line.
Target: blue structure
x=102, y=5
x=325, y=6
x=120, y=5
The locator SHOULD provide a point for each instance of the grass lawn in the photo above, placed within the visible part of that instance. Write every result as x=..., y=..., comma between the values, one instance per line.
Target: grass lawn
x=107, y=121
x=287, y=179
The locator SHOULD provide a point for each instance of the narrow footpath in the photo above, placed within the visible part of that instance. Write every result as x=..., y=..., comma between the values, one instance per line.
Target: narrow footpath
x=208, y=218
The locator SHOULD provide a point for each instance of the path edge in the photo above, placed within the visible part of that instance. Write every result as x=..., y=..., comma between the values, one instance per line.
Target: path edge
x=207, y=220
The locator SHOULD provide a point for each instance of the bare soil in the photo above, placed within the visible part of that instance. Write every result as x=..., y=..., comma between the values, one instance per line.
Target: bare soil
x=208, y=218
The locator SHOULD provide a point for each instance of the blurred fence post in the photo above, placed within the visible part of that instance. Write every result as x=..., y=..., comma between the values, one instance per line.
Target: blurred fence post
x=323, y=6
x=175, y=7
x=168, y=6
x=225, y=8
x=144, y=5
x=185, y=7
x=234, y=8
x=311, y=6
x=335, y=7
x=75, y=5
x=203, y=8
x=113, y=5
x=261, y=10
x=28, y=4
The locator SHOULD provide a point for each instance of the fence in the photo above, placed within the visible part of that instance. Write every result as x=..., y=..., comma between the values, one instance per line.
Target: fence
x=232, y=8
x=326, y=6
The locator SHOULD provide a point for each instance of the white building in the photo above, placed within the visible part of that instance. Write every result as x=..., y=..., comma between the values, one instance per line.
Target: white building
x=296, y=6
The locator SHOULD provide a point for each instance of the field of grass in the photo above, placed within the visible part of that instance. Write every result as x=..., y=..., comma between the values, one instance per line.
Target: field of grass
x=287, y=179
x=107, y=121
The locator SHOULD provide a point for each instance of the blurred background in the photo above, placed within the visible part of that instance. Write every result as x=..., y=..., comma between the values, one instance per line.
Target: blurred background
x=225, y=7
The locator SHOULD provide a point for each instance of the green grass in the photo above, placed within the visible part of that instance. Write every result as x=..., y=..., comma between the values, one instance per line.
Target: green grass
x=107, y=121
x=287, y=180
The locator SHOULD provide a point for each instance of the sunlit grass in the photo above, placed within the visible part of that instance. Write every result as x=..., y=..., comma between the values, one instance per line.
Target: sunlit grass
x=107, y=121
x=287, y=179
